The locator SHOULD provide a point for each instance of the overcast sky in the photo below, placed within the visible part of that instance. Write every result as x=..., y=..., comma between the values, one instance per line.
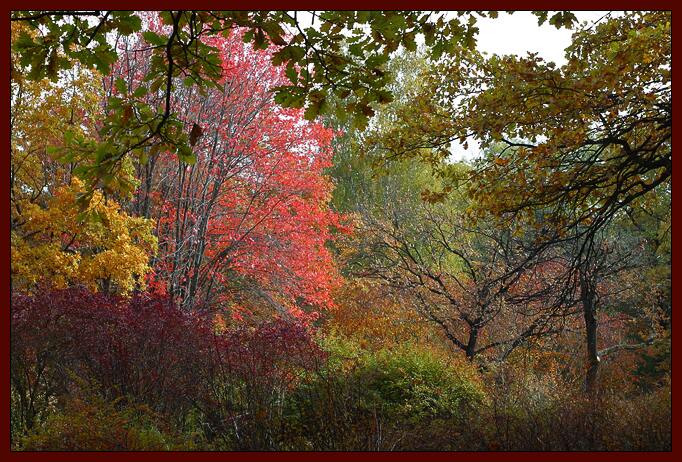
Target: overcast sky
x=519, y=33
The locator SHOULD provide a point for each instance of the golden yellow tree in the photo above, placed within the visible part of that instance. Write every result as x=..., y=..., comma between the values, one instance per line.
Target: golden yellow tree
x=103, y=247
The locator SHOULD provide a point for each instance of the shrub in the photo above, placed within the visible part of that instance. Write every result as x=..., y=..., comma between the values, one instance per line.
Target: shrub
x=91, y=423
x=374, y=400
x=100, y=372
x=257, y=368
x=546, y=410
x=413, y=384
x=229, y=386
x=142, y=348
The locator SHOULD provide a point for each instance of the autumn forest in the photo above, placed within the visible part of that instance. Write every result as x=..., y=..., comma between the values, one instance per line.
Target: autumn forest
x=338, y=231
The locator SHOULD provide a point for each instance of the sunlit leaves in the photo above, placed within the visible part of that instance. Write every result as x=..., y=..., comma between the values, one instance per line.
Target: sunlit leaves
x=61, y=245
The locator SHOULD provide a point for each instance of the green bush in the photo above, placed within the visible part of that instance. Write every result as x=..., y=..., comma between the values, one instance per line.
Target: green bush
x=375, y=400
x=92, y=424
x=413, y=384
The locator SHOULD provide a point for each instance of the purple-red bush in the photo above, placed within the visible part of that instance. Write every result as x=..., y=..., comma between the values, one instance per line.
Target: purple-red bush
x=146, y=349
x=259, y=367
x=142, y=347
x=270, y=352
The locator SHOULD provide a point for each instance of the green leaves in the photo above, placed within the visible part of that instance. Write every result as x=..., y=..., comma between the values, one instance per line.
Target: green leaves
x=563, y=19
x=288, y=54
x=290, y=96
x=318, y=104
x=275, y=33
x=140, y=92
x=347, y=60
x=153, y=38
x=39, y=54
x=339, y=58
x=559, y=19
x=126, y=22
x=186, y=155
x=121, y=86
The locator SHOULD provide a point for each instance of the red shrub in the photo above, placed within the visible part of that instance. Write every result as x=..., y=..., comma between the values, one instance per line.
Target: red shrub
x=271, y=352
x=142, y=347
x=147, y=349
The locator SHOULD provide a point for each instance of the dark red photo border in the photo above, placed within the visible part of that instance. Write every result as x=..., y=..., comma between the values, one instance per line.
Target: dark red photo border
x=501, y=5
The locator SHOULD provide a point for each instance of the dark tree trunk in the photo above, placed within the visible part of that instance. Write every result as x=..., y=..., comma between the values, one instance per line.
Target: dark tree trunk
x=471, y=345
x=588, y=297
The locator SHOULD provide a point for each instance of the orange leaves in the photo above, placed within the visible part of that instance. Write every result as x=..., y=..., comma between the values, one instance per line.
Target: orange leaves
x=376, y=316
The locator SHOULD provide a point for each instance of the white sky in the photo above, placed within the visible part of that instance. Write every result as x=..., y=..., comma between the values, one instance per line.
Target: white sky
x=519, y=33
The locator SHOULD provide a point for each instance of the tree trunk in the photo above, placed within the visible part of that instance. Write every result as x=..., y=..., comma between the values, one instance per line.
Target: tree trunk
x=588, y=297
x=471, y=345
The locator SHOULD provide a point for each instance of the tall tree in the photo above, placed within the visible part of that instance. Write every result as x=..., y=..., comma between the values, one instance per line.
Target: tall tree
x=580, y=141
x=567, y=149
x=469, y=280
x=248, y=218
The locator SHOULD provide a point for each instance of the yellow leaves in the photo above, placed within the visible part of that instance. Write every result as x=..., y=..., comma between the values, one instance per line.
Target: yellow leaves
x=220, y=325
x=647, y=58
x=30, y=264
x=56, y=246
x=42, y=113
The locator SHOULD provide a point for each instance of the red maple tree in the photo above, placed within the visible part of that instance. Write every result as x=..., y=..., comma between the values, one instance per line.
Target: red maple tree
x=247, y=224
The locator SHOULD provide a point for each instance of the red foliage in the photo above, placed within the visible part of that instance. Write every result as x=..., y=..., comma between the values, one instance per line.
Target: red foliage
x=145, y=348
x=252, y=215
x=271, y=353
